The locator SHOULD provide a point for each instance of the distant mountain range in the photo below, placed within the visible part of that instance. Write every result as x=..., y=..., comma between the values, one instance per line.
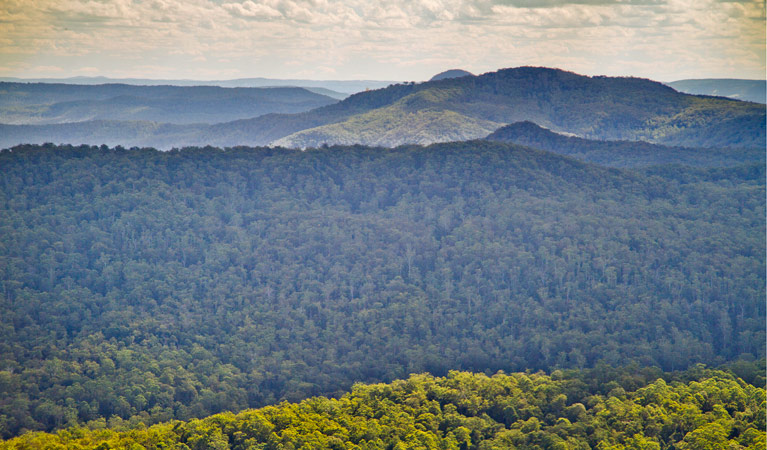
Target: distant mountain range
x=332, y=88
x=41, y=103
x=748, y=90
x=454, y=109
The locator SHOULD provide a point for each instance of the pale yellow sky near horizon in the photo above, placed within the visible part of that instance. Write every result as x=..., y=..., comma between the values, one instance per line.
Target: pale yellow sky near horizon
x=394, y=40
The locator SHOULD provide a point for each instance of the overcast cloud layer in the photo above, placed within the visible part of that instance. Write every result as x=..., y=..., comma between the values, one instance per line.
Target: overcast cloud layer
x=368, y=39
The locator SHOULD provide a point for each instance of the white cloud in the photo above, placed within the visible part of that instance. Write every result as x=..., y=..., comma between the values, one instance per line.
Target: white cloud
x=252, y=10
x=397, y=39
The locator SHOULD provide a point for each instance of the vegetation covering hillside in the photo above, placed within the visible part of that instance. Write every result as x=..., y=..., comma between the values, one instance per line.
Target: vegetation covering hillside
x=464, y=108
x=598, y=107
x=149, y=285
x=383, y=127
x=39, y=103
x=604, y=409
x=622, y=153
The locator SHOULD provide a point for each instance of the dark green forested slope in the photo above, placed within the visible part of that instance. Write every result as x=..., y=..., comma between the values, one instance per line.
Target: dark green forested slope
x=622, y=153
x=150, y=286
x=592, y=107
x=599, y=409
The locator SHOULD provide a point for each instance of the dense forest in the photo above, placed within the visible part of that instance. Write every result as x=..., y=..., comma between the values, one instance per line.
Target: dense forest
x=602, y=409
x=147, y=286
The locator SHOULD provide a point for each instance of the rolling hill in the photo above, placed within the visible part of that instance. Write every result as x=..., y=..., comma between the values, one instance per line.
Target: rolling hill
x=343, y=87
x=591, y=107
x=452, y=73
x=621, y=153
x=37, y=103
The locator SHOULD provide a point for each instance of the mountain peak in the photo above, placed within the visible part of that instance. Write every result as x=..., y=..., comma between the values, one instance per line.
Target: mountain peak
x=527, y=129
x=524, y=128
x=452, y=73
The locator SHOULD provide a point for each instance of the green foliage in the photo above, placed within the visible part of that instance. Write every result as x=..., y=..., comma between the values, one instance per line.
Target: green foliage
x=384, y=127
x=139, y=286
x=468, y=411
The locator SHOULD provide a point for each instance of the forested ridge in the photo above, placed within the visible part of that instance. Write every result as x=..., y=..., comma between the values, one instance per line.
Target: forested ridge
x=622, y=153
x=147, y=286
x=592, y=107
x=603, y=408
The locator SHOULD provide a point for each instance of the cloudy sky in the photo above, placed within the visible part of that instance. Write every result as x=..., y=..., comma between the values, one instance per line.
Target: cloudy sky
x=380, y=40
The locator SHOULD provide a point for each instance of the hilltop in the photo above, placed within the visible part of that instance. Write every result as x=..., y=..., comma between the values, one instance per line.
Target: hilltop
x=604, y=408
x=452, y=73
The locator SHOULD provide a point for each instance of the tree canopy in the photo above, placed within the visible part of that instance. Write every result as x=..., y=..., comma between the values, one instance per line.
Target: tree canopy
x=147, y=286
x=700, y=409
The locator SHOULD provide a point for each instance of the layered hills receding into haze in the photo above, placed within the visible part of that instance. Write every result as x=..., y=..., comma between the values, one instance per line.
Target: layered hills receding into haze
x=40, y=103
x=291, y=245
x=482, y=254
x=332, y=87
x=453, y=109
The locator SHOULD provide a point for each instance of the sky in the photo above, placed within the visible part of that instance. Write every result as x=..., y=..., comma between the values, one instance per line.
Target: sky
x=402, y=40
